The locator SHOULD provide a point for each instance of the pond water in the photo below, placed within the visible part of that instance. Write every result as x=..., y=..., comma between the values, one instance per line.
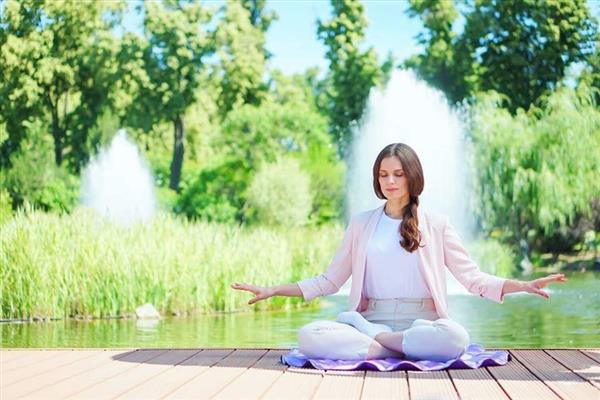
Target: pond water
x=569, y=319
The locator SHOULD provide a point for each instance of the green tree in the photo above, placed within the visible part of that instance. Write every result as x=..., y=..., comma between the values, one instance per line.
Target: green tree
x=242, y=58
x=259, y=17
x=534, y=176
x=57, y=62
x=437, y=64
x=353, y=71
x=520, y=48
x=590, y=76
x=262, y=134
x=177, y=43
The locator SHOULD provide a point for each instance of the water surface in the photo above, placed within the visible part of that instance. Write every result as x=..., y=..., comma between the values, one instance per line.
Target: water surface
x=569, y=319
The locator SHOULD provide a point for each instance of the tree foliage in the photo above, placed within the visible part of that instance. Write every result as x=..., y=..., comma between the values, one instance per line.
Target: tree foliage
x=57, y=60
x=520, y=48
x=353, y=71
x=536, y=176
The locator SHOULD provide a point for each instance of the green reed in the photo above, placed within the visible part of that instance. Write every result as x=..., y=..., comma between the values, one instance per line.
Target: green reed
x=80, y=265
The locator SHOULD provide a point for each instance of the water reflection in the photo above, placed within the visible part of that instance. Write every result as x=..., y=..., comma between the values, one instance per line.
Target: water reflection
x=571, y=318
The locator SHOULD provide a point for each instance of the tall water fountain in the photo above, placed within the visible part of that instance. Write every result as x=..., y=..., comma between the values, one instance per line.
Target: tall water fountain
x=117, y=183
x=411, y=112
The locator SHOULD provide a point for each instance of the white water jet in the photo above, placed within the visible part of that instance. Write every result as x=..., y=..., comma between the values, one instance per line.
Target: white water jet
x=117, y=183
x=411, y=112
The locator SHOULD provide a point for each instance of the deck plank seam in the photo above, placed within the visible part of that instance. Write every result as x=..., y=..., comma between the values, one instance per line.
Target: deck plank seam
x=112, y=376
x=198, y=374
x=574, y=372
x=362, y=385
x=52, y=367
x=408, y=386
x=539, y=377
x=316, y=390
x=591, y=358
x=498, y=383
x=69, y=377
x=154, y=376
x=240, y=374
x=452, y=382
x=283, y=371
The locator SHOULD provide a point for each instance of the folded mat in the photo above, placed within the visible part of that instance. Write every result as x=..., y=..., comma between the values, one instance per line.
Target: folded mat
x=474, y=357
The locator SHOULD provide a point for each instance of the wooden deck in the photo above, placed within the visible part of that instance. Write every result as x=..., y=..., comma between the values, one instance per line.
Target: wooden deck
x=258, y=374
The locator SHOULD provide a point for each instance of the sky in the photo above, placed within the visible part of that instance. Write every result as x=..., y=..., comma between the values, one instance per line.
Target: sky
x=292, y=38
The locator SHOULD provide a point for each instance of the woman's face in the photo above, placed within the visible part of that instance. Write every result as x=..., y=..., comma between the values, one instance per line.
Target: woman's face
x=392, y=180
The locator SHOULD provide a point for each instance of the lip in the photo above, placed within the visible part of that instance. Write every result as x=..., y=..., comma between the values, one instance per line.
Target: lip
x=391, y=190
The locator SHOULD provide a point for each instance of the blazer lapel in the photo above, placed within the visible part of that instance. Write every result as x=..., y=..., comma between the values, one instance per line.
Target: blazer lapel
x=423, y=252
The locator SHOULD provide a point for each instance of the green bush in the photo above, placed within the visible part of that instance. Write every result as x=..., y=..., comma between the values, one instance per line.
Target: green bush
x=34, y=178
x=493, y=257
x=217, y=194
x=536, y=173
x=326, y=183
x=263, y=134
x=280, y=194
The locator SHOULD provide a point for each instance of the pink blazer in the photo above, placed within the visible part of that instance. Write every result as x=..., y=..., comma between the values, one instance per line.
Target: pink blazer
x=441, y=249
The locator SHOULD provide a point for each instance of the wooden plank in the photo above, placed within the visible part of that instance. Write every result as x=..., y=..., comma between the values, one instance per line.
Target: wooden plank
x=173, y=378
x=65, y=386
x=519, y=383
x=594, y=354
x=431, y=385
x=385, y=385
x=142, y=372
x=8, y=355
x=580, y=364
x=229, y=374
x=476, y=384
x=559, y=378
x=256, y=380
x=29, y=357
x=210, y=382
x=295, y=384
x=45, y=365
x=340, y=385
x=53, y=376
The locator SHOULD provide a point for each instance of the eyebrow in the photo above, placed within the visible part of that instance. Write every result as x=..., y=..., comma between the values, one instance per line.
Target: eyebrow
x=385, y=170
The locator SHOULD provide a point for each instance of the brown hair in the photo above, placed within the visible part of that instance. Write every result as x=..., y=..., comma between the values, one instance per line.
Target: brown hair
x=414, y=173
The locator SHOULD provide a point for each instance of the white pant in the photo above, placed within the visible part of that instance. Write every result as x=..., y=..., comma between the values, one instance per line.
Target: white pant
x=426, y=338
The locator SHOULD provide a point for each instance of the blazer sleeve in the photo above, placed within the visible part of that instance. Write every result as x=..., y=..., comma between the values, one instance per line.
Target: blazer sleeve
x=465, y=270
x=338, y=272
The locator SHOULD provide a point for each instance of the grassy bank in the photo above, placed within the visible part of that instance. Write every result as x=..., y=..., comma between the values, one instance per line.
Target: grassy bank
x=80, y=266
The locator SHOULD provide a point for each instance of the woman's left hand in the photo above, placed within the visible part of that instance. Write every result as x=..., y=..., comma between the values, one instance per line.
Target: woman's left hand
x=536, y=285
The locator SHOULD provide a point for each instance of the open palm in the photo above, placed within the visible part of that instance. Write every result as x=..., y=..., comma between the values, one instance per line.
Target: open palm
x=259, y=292
x=535, y=286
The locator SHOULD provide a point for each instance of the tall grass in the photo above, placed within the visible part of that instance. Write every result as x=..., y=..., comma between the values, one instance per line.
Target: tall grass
x=80, y=265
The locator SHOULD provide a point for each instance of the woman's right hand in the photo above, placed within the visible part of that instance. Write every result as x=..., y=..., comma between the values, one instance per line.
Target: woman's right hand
x=259, y=292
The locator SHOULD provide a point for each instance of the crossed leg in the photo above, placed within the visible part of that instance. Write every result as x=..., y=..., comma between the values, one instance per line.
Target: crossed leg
x=339, y=341
x=438, y=340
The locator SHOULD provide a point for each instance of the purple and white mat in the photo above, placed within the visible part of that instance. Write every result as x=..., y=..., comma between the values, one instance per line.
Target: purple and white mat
x=474, y=357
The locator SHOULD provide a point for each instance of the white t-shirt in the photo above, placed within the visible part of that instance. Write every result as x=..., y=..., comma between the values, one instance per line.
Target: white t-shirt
x=391, y=271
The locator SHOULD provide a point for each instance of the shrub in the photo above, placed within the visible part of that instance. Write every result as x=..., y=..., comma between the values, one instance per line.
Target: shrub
x=280, y=194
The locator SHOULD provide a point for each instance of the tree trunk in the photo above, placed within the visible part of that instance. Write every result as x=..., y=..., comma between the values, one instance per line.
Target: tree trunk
x=177, y=161
x=57, y=135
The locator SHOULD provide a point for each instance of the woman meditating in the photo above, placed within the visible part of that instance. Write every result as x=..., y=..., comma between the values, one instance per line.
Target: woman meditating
x=397, y=255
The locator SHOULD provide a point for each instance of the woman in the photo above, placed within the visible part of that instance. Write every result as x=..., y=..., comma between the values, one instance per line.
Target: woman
x=397, y=255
